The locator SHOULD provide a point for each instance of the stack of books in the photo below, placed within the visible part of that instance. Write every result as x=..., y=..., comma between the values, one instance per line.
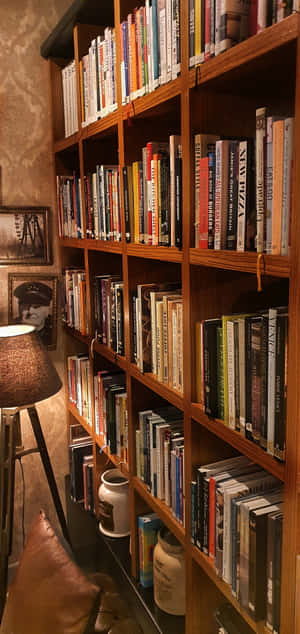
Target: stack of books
x=243, y=189
x=79, y=384
x=109, y=312
x=97, y=72
x=215, y=27
x=102, y=203
x=111, y=419
x=69, y=205
x=157, y=332
x=242, y=374
x=152, y=195
x=160, y=456
x=74, y=299
x=81, y=467
x=236, y=516
x=150, y=47
x=148, y=527
x=69, y=89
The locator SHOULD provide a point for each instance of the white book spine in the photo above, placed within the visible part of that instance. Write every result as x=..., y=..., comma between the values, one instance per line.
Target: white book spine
x=242, y=376
x=269, y=183
x=153, y=332
x=167, y=471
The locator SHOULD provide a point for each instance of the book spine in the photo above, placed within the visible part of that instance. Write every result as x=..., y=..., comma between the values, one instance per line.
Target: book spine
x=231, y=238
x=260, y=181
x=286, y=193
x=269, y=183
x=203, y=219
x=271, y=379
x=278, y=153
x=211, y=199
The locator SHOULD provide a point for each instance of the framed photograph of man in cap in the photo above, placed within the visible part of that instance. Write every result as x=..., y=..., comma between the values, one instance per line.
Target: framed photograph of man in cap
x=24, y=235
x=33, y=300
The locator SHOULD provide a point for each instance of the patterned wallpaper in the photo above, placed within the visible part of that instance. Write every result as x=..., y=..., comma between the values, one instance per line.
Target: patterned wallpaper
x=26, y=178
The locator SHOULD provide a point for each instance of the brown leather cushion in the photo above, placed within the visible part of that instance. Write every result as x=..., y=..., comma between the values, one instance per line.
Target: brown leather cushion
x=49, y=595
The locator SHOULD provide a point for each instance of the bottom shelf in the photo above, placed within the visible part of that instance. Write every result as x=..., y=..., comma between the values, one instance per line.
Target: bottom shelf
x=96, y=552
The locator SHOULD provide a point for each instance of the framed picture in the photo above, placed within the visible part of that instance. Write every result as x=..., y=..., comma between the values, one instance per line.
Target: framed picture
x=24, y=235
x=33, y=300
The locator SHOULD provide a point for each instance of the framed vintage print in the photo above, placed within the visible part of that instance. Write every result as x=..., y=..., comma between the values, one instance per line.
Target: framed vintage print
x=24, y=235
x=33, y=300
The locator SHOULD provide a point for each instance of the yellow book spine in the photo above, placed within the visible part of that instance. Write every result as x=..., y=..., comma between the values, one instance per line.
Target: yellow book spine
x=198, y=9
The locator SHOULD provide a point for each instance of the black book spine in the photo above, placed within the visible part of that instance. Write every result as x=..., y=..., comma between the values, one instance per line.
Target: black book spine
x=126, y=205
x=165, y=201
x=236, y=375
x=257, y=565
x=200, y=515
x=134, y=338
x=264, y=384
x=248, y=377
x=178, y=201
x=231, y=237
x=210, y=368
x=111, y=427
x=255, y=377
x=120, y=321
x=107, y=205
x=205, y=543
x=280, y=387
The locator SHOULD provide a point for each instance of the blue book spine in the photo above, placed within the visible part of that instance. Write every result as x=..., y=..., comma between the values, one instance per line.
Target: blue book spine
x=155, y=41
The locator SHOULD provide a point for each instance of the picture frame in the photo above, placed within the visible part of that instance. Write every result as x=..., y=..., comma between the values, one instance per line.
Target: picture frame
x=32, y=300
x=24, y=235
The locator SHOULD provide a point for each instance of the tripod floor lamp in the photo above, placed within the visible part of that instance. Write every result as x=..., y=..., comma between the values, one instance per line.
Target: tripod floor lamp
x=27, y=376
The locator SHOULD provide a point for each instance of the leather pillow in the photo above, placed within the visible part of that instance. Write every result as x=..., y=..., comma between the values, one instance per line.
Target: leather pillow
x=50, y=595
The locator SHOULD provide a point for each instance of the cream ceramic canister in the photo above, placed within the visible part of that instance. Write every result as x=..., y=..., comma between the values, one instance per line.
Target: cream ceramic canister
x=113, y=496
x=169, y=574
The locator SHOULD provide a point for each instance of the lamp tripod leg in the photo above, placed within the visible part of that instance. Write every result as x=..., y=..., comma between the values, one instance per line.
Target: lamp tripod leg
x=42, y=448
x=9, y=424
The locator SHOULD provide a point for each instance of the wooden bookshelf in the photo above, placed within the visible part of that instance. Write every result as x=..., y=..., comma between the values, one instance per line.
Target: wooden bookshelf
x=219, y=96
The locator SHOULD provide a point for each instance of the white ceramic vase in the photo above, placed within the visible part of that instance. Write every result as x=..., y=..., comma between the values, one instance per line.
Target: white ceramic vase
x=169, y=574
x=114, y=504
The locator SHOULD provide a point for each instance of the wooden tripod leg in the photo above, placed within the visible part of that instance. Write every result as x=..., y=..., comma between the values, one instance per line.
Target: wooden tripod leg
x=8, y=424
x=37, y=430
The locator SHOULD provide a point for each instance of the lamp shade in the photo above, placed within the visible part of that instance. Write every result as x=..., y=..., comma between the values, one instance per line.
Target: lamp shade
x=27, y=374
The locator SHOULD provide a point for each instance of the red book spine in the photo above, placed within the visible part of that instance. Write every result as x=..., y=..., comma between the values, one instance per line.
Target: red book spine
x=253, y=17
x=207, y=31
x=149, y=155
x=203, y=203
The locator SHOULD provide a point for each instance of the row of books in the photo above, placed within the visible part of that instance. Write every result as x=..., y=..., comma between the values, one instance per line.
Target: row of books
x=150, y=47
x=109, y=312
x=81, y=469
x=97, y=72
x=157, y=332
x=79, y=385
x=242, y=194
x=160, y=456
x=242, y=374
x=111, y=417
x=152, y=195
x=236, y=515
x=148, y=526
x=102, y=203
x=69, y=94
x=216, y=26
x=69, y=206
x=74, y=303
x=99, y=203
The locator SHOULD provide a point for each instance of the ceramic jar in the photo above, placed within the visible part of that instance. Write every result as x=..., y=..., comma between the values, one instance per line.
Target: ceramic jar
x=113, y=496
x=169, y=573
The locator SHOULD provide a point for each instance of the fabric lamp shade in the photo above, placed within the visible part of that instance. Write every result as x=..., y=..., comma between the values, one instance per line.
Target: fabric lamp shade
x=27, y=374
